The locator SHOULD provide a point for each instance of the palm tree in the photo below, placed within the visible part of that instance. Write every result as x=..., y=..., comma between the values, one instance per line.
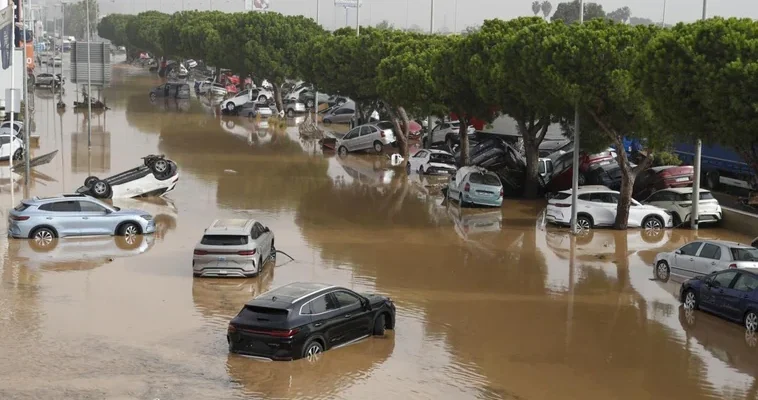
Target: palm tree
x=546, y=7
x=536, y=7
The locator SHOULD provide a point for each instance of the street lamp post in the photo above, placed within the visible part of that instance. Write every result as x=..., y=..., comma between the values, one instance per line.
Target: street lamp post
x=27, y=126
x=695, y=215
x=429, y=138
x=575, y=168
x=89, y=81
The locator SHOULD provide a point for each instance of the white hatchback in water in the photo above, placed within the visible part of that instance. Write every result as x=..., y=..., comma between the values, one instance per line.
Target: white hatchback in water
x=233, y=248
x=155, y=177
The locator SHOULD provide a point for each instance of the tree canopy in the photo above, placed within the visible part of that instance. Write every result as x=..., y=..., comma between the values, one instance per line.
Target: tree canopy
x=569, y=12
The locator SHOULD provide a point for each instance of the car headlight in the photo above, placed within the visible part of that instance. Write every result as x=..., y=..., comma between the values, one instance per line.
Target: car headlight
x=146, y=217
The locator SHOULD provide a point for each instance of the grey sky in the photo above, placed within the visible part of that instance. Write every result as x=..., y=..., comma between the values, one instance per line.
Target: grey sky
x=470, y=12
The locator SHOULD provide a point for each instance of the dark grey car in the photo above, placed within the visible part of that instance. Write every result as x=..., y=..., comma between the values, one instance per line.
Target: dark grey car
x=171, y=90
x=339, y=115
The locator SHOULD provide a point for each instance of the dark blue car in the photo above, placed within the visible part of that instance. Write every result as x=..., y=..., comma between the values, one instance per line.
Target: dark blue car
x=731, y=294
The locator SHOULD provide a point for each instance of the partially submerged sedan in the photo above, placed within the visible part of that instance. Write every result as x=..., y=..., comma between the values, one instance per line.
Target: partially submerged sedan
x=301, y=320
x=155, y=177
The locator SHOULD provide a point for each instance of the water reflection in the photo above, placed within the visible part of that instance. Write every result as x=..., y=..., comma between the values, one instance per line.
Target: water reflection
x=219, y=300
x=96, y=159
x=162, y=209
x=74, y=254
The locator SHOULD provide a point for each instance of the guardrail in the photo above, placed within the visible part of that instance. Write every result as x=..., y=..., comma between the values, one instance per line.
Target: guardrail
x=740, y=221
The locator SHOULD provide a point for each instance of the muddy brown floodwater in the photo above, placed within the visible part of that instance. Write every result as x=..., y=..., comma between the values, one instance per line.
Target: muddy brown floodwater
x=490, y=304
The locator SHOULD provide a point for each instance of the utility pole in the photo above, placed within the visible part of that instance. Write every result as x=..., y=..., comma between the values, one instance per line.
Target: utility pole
x=663, y=19
x=27, y=126
x=695, y=215
x=575, y=168
x=89, y=81
x=358, y=18
x=429, y=139
x=315, y=101
x=12, y=105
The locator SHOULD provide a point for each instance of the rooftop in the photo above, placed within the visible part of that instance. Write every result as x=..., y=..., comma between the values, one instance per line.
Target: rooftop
x=291, y=293
x=684, y=190
x=230, y=226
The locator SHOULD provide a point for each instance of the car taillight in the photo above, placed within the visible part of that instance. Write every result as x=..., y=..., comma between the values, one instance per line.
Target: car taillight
x=200, y=252
x=501, y=192
x=19, y=217
x=285, y=334
x=562, y=205
x=382, y=133
x=732, y=265
x=467, y=187
x=231, y=329
x=246, y=252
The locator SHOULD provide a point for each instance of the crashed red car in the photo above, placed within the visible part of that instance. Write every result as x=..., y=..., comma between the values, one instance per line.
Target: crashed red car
x=657, y=178
x=563, y=168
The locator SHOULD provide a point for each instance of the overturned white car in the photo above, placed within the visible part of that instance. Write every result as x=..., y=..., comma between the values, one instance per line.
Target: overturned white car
x=155, y=177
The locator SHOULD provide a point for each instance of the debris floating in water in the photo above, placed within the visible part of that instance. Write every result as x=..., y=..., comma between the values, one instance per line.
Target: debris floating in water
x=230, y=171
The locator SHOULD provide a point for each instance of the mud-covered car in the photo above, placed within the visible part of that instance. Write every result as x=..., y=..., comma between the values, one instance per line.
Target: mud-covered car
x=155, y=177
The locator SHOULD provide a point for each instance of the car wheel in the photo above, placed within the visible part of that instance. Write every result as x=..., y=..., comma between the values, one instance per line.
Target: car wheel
x=262, y=98
x=421, y=170
x=290, y=113
x=652, y=223
x=230, y=106
x=90, y=180
x=129, y=242
x=690, y=300
x=309, y=104
x=128, y=229
x=677, y=220
x=662, y=271
x=751, y=321
x=312, y=350
x=18, y=154
x=378, y=147
x=43, y=239
x=160, y=167
x=584, y=222
x=326, y=121
x=101, y=189
x=379, y=326
x=342, y=151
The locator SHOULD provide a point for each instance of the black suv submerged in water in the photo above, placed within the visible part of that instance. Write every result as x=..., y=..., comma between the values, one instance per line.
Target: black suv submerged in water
x=303, y=319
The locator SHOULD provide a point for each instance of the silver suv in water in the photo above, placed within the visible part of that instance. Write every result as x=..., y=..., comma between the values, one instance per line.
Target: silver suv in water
x=233, y=248
x=46, y=218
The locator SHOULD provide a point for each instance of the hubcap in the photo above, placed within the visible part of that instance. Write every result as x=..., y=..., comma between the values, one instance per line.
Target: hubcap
x=313, y=351
x=662, y=271
x=689, y=301
x=583, y=224
x=130, y=231
x=751, y=322
x=161, y=166
x=100, y=188
x=653, y=223
x=689, y=316
x=43, y=238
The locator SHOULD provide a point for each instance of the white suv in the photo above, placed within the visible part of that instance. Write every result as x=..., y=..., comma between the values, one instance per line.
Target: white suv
x=597, y=207
x=233, y=248
x=259, y=94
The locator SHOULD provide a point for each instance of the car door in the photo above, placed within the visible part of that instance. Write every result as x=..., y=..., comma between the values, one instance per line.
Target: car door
x=712, y=292
x=684, y=259
x=736, y=298
x=65, y=217
x=417, y=159
x=95, y=219
x=708, y=259
x=351, y=138
x=603, y=208
x=356, y=319
x=328, y=319
x=367, y=136
x=264, y=240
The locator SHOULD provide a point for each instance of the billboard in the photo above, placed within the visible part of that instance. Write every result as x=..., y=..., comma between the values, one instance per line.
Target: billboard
x=346, y=3
x=6, y=36
x=30, y=55
x=260, y=5
x=100, y=63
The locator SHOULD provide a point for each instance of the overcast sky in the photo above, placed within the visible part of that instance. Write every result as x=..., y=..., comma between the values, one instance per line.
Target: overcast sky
x=470, y=12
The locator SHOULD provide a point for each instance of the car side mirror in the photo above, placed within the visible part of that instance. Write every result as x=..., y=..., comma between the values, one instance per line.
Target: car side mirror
x=678, y=251
x=107, y=211
x=366, y=304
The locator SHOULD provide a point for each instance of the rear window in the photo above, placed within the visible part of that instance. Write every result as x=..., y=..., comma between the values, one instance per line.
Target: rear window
x=263, y=314
x=562, y=196
x=442, y=158
x=744, y=253
x=703, y=196
x=224, y=240
x=384, y=125
x=21, y=207
x=484, y=179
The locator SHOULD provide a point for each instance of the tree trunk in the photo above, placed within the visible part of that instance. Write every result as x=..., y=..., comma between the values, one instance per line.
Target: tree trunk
x=278, y=96
x=399, y=119
x=532, y=136
x=628, y=175
x=463, y=136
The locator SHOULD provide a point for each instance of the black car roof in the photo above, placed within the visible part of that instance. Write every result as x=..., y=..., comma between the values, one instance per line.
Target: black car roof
x=285, y=296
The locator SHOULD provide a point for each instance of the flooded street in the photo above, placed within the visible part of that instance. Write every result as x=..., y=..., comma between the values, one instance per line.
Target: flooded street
x=490, y=304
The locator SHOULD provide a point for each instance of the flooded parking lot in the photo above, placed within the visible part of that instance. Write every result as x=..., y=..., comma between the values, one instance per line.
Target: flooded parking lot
x=490, y=303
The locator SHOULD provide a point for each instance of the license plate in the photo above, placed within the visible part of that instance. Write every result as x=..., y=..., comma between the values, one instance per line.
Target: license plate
x=682, y=179
x=222, y=272
x=221, y=258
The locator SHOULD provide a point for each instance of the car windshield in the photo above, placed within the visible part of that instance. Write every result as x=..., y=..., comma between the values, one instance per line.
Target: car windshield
x=254, y=314
x=688, y=196
x=484, y=179
x=744, y=253
x=224, y=240
x=442, y=158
